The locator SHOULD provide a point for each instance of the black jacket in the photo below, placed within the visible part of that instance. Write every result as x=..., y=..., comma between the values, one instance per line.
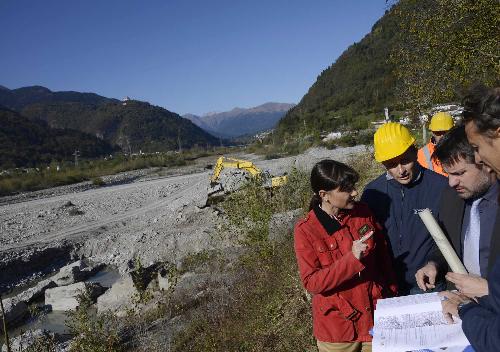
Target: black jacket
x=395, y=207
x=451, y=214
x=481, y=322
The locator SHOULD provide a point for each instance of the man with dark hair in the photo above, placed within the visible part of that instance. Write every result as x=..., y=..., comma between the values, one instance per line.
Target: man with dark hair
x=469, y=215
x=481, y=318
x=482, y=125
x=395, y=198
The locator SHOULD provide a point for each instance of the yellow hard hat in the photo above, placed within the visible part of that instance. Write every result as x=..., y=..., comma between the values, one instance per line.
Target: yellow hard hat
x=391, y=140
x=441, y=121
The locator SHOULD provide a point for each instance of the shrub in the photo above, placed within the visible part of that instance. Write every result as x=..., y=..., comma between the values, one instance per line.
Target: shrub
x=92, y=333
x=42, y=344
x=98, y=181
x=251, y=208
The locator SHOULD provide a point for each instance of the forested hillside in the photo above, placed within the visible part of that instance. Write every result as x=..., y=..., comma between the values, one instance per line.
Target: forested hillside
x=30, y=143
x=133, y=125
x=419, y=53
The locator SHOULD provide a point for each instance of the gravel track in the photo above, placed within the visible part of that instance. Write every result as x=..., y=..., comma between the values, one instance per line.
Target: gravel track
x=49, y=219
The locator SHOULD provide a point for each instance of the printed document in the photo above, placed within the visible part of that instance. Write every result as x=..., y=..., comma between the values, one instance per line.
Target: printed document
x=414, y=322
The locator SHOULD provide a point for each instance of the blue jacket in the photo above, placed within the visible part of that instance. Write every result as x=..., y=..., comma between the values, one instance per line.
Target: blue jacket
x=481, y=322
x=395, y=207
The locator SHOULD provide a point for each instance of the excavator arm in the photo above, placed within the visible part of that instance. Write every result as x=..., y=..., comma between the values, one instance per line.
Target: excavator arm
x=223, y=162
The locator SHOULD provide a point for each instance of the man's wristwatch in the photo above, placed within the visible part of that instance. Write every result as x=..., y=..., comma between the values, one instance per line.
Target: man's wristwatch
x=462, y=304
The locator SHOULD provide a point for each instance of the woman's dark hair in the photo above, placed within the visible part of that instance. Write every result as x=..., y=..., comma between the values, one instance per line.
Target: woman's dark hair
x=453, y=147
x=482, y=105
x=328, y=175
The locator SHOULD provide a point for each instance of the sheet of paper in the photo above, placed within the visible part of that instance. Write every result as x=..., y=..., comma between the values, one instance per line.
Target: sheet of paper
x=414, y=322
x=425, y=337
x=408, y=304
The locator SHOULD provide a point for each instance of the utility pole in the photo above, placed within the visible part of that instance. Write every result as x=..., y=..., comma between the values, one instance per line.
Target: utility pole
x=179, y=139
x=5, y=325
x=129, y=147
x=76, y=154
x=423, y=120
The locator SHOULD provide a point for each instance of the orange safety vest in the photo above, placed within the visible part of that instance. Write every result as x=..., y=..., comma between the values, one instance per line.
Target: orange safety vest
x=425, y=159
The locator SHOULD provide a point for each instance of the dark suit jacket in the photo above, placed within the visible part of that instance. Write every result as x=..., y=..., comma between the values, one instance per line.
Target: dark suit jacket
x=451, y=214
x=481, y=322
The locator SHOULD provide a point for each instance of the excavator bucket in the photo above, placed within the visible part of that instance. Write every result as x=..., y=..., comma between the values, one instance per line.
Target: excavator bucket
x=214, y=189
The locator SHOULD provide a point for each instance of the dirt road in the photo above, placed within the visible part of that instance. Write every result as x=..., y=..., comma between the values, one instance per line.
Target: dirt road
x=47, y=220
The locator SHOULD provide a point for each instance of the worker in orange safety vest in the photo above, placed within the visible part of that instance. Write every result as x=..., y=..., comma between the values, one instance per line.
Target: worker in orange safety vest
x=441, y=123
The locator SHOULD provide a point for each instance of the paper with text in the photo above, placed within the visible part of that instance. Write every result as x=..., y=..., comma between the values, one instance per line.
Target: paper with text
x=414, y=322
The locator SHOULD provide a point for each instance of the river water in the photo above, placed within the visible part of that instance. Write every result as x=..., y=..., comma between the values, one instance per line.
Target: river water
x=55, y=321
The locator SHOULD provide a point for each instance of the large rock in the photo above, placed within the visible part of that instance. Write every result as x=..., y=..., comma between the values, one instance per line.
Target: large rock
x=65, y=297
x=15, y=310
x=164, y=280
x=71, y=273
x=63, y=346
x=281, y=225
x=27, y=339
x=118, y=298
x=229, y=181
x=35, y=292
x=190, y=285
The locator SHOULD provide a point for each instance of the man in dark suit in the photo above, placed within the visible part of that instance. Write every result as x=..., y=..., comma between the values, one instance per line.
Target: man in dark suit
x=481, y=317
x=469, y=214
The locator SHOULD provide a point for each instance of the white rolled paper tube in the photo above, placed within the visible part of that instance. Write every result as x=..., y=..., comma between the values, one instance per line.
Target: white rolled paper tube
x=442, y=242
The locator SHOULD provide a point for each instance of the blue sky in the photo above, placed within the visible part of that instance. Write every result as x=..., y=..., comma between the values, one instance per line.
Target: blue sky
x=191, y=56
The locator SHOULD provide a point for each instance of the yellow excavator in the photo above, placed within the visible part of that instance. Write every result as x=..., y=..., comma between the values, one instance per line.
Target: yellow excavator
x=224, y=162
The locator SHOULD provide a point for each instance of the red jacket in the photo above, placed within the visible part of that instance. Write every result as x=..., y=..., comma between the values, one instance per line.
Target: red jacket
x=344, y=289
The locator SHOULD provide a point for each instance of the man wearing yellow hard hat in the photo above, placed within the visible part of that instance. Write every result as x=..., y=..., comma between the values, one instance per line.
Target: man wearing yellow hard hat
x=441, y=123
x=396, y=196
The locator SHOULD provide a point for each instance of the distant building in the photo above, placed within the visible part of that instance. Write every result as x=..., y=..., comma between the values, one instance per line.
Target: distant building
x=405, y=120
x=332, y=136
x=125, y=100
x=379, y=123
x=455, y=110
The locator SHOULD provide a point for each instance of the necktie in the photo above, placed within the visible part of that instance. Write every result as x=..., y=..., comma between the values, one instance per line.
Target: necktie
x=471, y=241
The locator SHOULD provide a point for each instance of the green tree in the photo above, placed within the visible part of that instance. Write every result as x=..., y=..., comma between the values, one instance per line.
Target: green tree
x=444, y=46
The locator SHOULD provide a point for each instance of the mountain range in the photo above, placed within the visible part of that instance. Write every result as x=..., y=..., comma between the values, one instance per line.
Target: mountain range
x=131, y=125
x=239, y=122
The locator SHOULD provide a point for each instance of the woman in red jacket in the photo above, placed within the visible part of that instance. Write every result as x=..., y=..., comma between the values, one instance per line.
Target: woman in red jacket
x=343, y=260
